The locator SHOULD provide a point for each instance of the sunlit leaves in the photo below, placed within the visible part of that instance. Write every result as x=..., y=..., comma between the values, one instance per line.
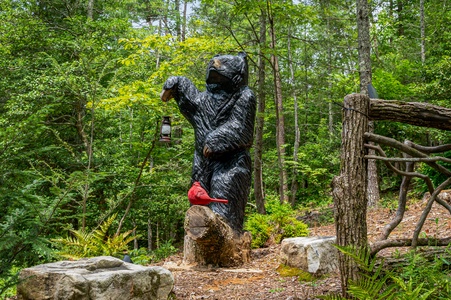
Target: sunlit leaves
x=159, y=57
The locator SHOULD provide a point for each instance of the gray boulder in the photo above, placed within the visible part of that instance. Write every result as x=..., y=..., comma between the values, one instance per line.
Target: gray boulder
x=315, y=255
x=101, y=277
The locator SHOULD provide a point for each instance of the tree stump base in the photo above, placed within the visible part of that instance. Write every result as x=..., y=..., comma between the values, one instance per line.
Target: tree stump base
x=210, y=241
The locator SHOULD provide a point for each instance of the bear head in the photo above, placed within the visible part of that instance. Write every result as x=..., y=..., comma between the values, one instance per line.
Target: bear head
x=228, y=71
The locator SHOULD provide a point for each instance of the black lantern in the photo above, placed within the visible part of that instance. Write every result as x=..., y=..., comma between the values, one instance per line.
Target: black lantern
x=165, y=131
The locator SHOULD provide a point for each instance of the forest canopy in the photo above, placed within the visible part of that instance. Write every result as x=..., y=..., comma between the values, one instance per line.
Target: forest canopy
x=80, y=112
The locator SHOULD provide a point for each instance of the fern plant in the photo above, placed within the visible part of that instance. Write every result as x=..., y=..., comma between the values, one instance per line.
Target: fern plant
x=97, y=242
x=375, y=283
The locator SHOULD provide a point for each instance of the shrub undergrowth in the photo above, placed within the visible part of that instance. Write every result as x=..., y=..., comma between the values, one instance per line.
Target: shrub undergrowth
x=279, y=222
x=418, y=278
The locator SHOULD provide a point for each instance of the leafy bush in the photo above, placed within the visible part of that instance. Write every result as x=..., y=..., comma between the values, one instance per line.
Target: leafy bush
x=260, y=229
x=140, y=256
x=164, y=250
x=279, y=223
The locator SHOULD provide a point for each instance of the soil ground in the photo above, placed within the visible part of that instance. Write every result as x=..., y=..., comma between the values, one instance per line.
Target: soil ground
x=259, y=279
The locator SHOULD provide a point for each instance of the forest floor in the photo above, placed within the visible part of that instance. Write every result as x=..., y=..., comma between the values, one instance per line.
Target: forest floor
x=259, y=279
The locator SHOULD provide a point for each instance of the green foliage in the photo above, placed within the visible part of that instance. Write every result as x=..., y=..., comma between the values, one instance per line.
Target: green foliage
x=142, y=256
x=8, y=283
x=318, y=162
x=260, y=229
x=79, y=106
x=433, y=276
x=95, y=243
x=418, y=279
x=164, y=250
x=388, y=86
x=280, y=222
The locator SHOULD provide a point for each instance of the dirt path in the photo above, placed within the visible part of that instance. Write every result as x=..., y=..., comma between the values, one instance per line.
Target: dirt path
x=259, y=279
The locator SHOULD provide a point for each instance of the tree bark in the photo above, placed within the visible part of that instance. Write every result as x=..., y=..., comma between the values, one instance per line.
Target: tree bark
x=350, y=187
x=363, y=26
x=211, y=241
x=414, y=113
x=280, y=127
x=260, y=121
x=185, y=9
x=297, y=132
x=399, y=10
x=90, y=9
x=423, y=34
x=149, y=235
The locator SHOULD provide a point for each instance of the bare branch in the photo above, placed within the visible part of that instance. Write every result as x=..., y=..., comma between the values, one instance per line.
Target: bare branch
x=411, y=159
x=402, y=200
x=404, y=148
x=426, y=211
x=436, y=149
x=379, y=245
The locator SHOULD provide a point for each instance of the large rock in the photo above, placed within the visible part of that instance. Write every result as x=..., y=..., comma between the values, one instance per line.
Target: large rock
x=315, y=255
x=101, y=277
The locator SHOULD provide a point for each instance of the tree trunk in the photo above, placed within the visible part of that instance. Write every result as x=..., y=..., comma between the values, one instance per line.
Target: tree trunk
x=400, y=17
x=87, y=142
x=423, y=35
x=149, y=235
x=260, y=122
x=178, y=21
x=185, y=9
x=329, y=73
x=349, y=188
x=363, y=26
x=280, y=127
x=211, y=241
x=373, y=194
x=90, y=9
x=297, y=132
x=135, y=241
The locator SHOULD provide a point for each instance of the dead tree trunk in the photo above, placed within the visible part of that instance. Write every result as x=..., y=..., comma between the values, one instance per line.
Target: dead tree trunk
x=349, y=188
x=211, y=241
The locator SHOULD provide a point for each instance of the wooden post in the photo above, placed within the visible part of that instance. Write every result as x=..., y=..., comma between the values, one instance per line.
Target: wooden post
x=349, y=188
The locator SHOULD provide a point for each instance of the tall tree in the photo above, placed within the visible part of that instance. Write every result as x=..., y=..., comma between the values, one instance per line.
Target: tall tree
x=297, y=133
x=278, y=99
x=363, y=27
x=260, y=118
x=422, y=33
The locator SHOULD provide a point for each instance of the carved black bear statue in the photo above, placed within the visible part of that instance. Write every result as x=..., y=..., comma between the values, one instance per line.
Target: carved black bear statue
x=223, y=119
